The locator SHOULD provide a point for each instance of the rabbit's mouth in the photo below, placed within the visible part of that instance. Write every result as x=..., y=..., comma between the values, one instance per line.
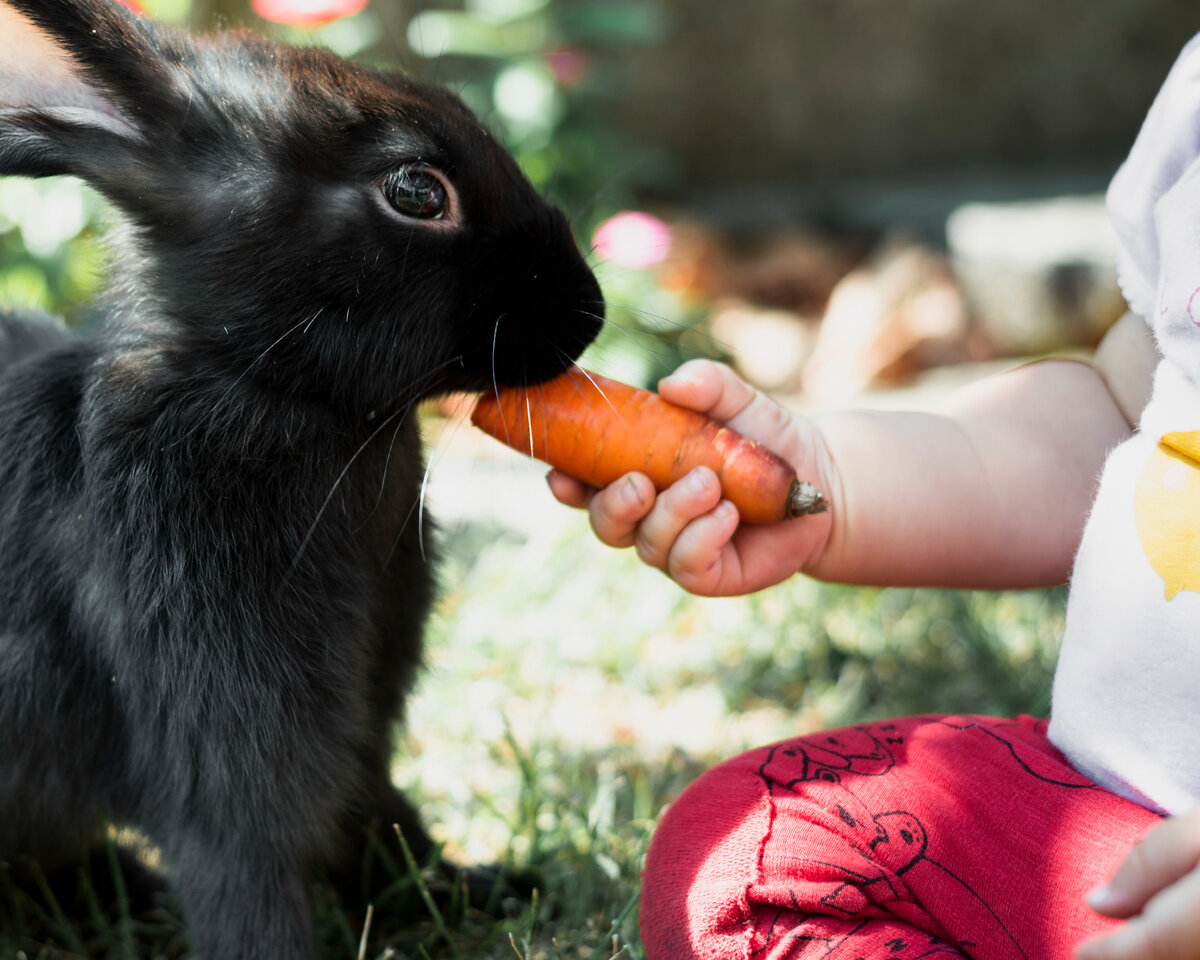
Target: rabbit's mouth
x=538, y=336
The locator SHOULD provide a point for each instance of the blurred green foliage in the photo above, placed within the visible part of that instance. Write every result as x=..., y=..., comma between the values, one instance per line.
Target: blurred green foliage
x=51, y=254
x=541, y=73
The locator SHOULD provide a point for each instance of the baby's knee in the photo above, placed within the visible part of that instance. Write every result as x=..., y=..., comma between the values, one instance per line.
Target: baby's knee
x=703, y=858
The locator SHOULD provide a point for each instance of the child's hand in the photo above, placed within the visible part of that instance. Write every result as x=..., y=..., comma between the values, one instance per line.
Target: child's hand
x=1158, y=887
x=688, y=531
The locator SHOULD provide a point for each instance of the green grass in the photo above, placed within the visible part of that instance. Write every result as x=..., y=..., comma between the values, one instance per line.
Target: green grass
x=571, y=693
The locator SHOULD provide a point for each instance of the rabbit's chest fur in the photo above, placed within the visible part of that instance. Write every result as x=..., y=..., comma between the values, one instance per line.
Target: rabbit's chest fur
x=269, y=571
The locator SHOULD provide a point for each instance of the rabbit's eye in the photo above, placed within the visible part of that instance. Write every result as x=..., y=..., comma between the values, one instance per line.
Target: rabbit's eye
x=416, y=192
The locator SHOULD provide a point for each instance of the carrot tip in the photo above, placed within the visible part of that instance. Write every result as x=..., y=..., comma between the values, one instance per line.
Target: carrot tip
x=805, y=499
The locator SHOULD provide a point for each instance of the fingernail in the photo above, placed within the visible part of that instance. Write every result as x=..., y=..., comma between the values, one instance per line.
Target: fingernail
x=697, y=480
x=1103, y=898
x=679, y=379
x=724, y=510
x=630, y=494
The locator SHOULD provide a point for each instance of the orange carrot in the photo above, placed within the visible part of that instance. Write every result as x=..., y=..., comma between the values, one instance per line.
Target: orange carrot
x=597, y=430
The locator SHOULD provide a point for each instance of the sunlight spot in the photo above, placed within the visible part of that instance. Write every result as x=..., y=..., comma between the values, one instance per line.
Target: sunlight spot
x=503, y=11
x=527, y=96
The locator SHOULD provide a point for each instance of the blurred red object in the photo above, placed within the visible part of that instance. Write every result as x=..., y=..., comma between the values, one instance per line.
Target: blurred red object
x=569, y=66
x=134, y=6
x=632, y=239
x=306, y=13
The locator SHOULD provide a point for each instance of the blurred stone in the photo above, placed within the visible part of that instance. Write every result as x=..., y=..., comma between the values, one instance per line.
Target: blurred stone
x=1038, y=275
x=900, y=313
x=769, y=347
x=789, y=269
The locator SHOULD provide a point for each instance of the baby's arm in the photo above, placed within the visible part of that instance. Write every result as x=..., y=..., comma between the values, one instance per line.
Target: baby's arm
x=990, y=491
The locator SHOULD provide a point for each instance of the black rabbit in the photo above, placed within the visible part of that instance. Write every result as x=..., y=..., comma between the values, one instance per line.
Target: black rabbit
x=212, y=581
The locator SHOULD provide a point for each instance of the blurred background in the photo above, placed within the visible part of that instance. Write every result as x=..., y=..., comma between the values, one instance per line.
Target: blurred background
x=844, y=193
x=854, y=202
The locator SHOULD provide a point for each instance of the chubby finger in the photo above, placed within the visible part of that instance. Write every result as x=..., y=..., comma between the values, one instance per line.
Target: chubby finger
x=708, y=387
x=1168, y=928
x=698, y=559
x=615, y=511
x=568, y=490
x=1169, y=851
x=694, y=494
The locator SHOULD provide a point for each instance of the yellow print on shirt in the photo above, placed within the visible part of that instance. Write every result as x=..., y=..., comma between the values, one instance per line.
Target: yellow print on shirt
x=1166, y=510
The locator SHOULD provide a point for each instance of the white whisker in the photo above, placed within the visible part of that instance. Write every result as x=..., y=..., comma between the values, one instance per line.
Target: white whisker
x=617, y=177
x=421, y=510
x=601, y=392
x=250, y=366
x=400, y=411
x=644, y=335
x=419, y=503
x=529, y=420
x=383, y=478
x=495, y=381
x=406, y=405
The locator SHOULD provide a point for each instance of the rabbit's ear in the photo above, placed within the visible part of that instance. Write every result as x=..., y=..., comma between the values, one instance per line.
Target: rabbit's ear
x=72, y=75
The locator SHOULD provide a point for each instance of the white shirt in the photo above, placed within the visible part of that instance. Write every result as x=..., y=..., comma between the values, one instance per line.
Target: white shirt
x=1127, y=691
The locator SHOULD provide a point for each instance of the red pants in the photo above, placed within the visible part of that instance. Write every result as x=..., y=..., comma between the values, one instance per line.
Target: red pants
x=941, y=837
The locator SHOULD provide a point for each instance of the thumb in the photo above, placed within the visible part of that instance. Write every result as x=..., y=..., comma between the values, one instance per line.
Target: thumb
x=1168, y=852
x=708, y=387
x=716, y=391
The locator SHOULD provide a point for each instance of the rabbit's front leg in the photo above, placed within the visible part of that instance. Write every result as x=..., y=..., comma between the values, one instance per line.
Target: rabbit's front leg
x=357, y=872
x=361, y=879
x=54, y=790
x=394, y=813
x=244, y=903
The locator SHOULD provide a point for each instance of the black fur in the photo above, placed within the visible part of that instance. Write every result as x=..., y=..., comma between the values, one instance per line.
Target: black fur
x=212, y=590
